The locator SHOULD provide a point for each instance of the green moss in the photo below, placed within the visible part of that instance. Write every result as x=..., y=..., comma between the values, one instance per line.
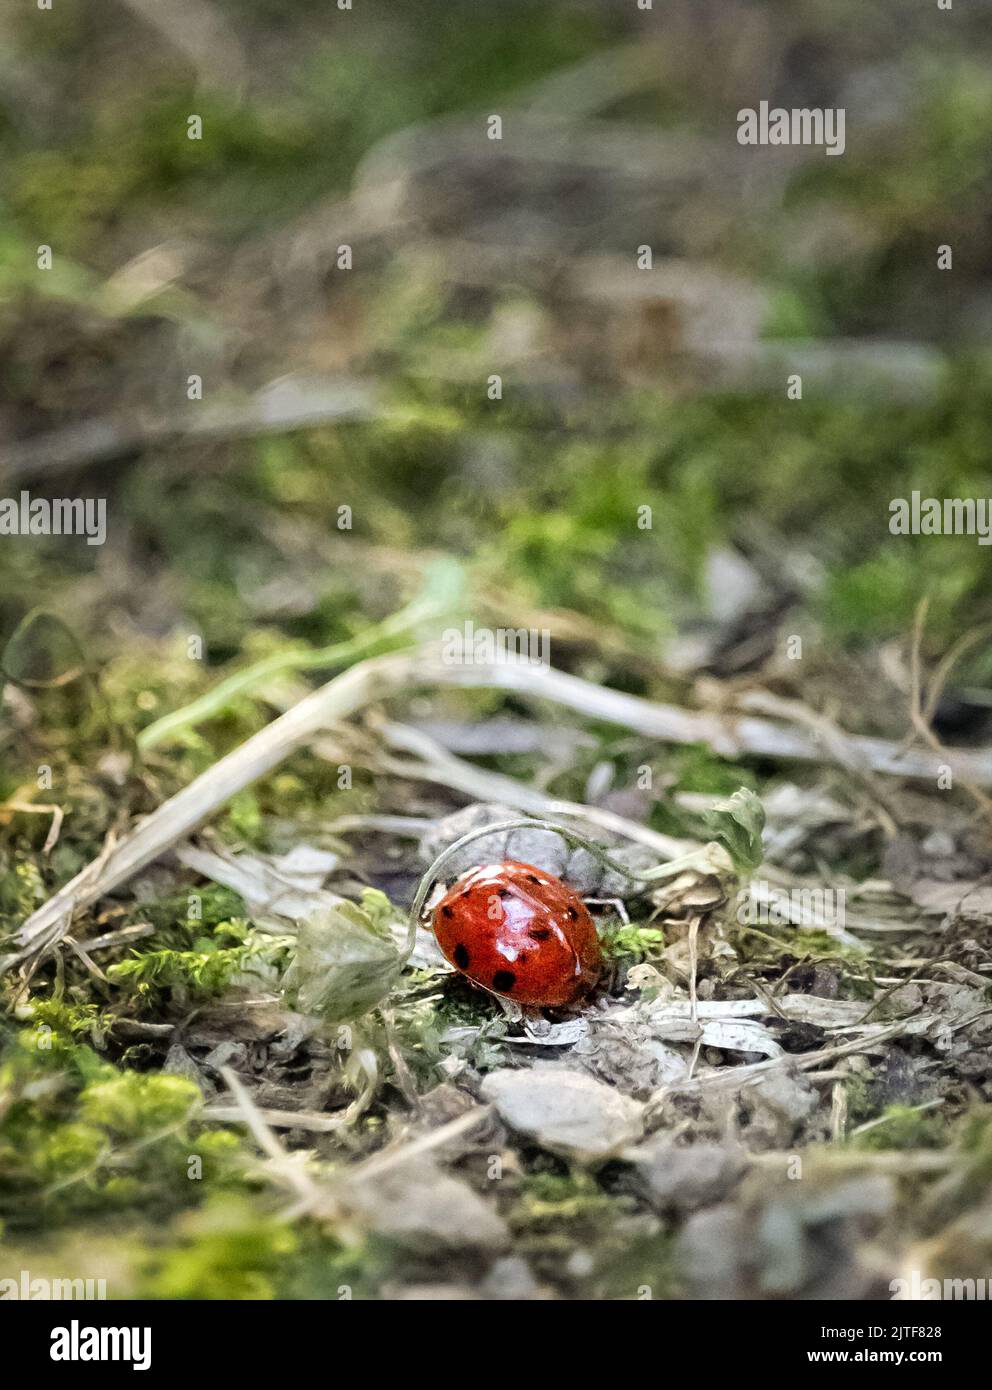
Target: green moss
x=79, y=1136
x=130, y=1105
x=22, y=889
x=214, y=905
x=904, y=1127
x=558, y=1214
x=70, y=1021
x=229, y=1250
x=645, y=1270
x=204, y=972
x=244, y=817
x=322, y=1268
x=550, y=1203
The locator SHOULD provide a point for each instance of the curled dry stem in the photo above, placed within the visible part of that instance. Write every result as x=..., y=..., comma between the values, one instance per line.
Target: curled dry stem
x=709, y=858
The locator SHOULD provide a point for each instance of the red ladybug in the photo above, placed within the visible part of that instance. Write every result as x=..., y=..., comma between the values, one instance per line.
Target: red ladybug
x=519, y=932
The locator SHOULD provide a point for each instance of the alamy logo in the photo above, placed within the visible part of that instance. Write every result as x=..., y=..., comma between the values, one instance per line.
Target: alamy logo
x=760, y=905
x=39, y=1289
x=941, y=516
x=501, y=646
x=919, y=1289
x=75, y=1343
x=815, y=125
x=58, y=516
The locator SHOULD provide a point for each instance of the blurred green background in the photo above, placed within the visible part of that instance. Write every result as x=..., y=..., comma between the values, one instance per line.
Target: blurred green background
x=621, y=389
x=537, y=492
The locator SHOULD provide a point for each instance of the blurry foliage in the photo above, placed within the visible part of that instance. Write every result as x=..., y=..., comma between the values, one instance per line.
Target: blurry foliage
x=228, y=1249
x=905, y=1127
x=293, y=142
x=78, y=1136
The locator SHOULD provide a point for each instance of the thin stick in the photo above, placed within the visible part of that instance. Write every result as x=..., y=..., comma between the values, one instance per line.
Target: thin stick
x=310, y=1120
x=885, y=1119
x=388, y=1158
x=898, y=1162
x=284, y=1165
x=39, y=808
x=919, y=716
x=176, y=818
x=441, y=766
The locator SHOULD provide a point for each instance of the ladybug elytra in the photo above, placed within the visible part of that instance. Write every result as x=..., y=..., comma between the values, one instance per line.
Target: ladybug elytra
x=521, y=933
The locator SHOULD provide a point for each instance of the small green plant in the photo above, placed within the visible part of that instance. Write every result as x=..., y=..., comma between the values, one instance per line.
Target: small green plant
x=205, y=971
x=904, y=1127
x=631, y=941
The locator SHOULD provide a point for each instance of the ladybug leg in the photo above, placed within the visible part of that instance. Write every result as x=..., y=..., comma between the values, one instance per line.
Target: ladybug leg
x=512, y=1010
x=533, y=1020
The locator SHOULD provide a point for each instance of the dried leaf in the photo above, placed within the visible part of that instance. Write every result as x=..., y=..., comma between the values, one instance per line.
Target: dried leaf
x=346, y=962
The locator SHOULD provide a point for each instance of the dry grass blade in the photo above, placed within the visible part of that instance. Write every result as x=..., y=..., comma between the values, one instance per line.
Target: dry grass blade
x=921, y=714
x=286, y=1168
x=438, y=765
x=182, y=813
x=38, y=808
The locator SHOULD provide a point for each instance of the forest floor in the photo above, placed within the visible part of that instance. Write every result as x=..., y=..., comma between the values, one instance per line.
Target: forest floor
x=228, y=1068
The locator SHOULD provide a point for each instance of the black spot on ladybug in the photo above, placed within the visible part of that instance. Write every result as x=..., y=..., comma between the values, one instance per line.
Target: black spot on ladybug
x=533, y=878
x=504, y=980
x=461, y=956
x=539, y=933
x=504, y=892
x=571, y=912
x=447, y=911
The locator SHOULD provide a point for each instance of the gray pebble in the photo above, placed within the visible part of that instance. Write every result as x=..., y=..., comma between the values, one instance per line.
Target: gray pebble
x=544, y=848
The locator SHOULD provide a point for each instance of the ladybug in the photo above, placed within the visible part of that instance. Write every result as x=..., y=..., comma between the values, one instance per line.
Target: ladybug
x=521, y=933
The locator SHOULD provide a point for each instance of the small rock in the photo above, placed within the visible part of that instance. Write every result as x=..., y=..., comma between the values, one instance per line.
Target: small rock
x=580, y=1264
x=711, y=1252
x=684, y=1177
x=544, y=848
x=788, y=1240
x=180, y=1063
x=487, y=849
x=732, y=584
x=510, y=1278
x=445, y=1102
x=420, y=1205
x=939, y=844
x=568, y=1112
x=774, y=1103
x=623, y=1054
x=227, y=1054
